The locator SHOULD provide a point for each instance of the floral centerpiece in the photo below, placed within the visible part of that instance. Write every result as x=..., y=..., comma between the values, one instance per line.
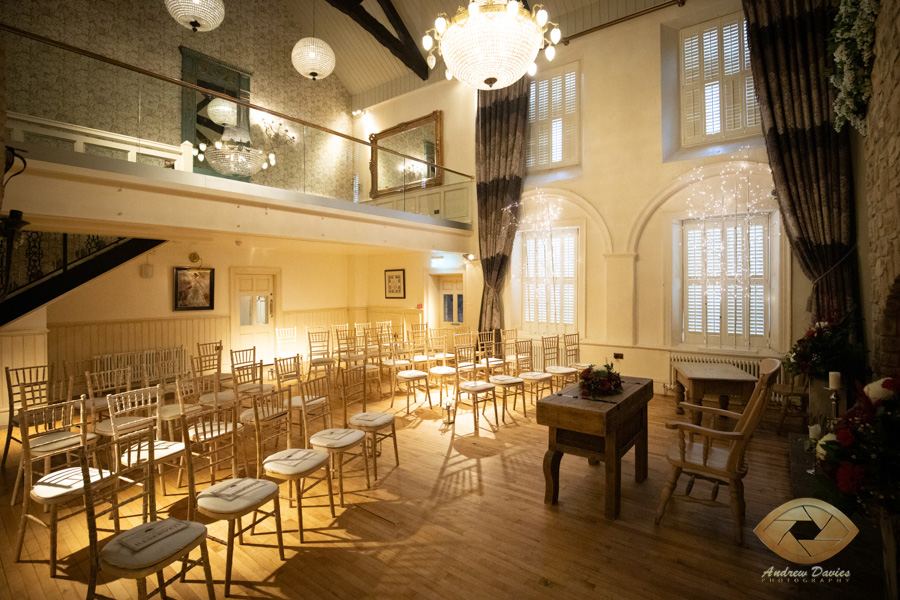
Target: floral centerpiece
x=599, y=382
x=852, y=42
x=825, y=347
x=862, y=456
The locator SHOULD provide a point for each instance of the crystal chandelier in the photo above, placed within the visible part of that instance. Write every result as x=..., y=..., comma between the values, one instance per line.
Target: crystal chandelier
x=312, y=57
x=197, y=15
x=222, y=111
x=233, y=155
x=492, y=43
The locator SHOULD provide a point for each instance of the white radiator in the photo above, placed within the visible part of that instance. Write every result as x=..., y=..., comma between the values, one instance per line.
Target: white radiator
x=751, y=365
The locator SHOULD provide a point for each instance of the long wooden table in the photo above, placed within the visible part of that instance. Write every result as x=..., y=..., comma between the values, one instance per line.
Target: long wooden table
x=599, y=430
x=698, y=379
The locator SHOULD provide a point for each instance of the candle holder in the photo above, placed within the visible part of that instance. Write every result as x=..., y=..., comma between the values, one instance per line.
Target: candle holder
x=448, y=411
x=834, y=408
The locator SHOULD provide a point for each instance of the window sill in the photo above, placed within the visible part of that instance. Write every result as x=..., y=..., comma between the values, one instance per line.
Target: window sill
x=715, y=149
x=762, y=352
x=545, y=176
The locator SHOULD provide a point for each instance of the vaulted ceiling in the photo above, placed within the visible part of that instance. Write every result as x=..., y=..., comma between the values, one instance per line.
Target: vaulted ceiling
x=371, y=73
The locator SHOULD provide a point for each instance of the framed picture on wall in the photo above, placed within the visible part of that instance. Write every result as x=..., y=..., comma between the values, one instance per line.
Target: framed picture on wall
x=195, y=288
x=395, y=283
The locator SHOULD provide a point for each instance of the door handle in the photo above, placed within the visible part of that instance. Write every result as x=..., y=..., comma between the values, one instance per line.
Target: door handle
x=271, y=306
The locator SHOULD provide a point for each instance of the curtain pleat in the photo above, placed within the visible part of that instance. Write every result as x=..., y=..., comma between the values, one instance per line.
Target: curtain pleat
x=499, y=169
x=810, y=161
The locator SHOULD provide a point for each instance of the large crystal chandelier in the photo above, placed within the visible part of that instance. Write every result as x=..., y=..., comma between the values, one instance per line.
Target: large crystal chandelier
x=197, y=15
x=233, y=155
x=492, y=43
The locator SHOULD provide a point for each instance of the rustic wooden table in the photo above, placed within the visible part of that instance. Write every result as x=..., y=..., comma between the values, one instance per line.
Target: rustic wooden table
x=599, y=430
x=698, y=379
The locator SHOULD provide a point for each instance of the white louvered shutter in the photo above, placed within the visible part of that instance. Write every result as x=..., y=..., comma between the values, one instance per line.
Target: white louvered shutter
x=553, y=119
x=717, y=93
x=726, y=281
x=549, y=283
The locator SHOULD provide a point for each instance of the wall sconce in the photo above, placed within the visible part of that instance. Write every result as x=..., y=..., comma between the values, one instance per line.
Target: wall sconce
x=195, y=258
x=469, y=256
x=147, y=269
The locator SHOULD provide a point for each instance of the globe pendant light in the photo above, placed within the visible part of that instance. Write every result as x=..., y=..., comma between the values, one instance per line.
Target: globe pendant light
x=197, y=15
x=312, y=57
x=223, y=112
x=491, y=44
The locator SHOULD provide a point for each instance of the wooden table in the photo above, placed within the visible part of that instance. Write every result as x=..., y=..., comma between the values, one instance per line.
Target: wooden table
x=599, y=430
x=698, y=379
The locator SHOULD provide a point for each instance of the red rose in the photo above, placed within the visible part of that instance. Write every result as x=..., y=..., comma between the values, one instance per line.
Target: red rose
x=892, y=384
x=844, y=436
x=850, y=477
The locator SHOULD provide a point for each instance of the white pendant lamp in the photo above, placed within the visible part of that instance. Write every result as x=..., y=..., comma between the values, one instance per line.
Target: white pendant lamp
x=197, y=15
x=313, y=58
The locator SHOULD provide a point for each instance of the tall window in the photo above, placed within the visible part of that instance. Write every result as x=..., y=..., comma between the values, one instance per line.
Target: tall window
x=726, y=281
x=553, y=119
x=718, y=100
x=549, y=284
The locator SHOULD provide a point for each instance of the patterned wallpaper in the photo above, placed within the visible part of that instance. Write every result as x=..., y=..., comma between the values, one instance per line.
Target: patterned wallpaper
x=54, y=84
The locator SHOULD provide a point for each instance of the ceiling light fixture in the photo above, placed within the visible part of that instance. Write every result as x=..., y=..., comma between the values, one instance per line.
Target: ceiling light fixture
x=491, y=44
x=197, y=15
x=312, y=57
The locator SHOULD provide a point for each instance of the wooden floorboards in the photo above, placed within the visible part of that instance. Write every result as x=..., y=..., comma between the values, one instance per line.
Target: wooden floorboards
x=463, y=517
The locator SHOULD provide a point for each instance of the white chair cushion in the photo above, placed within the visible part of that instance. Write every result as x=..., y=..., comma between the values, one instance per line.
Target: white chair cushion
x=210, y=431
x=217, y=498
x=505, y=380
x=493, y=362
x=336, y=438
x=476, y=386
x=170, y=412
x=444, y=355
x=395, y=362
x=558, y=370
x=295, y=461
x=371, y=420
x=116, y=554
x=322, y=360
x=224, y=396
x=412, y=374
x=370, y=368
x=580, y=366
x=420, y=358
x=65, y=482
x=93, y=404
x=535, y=376
x=297, y=402
x=252, y=386
x=105, y=427
x=162, y=449
x=247, y=415
x=442, y=370
x=47, y=443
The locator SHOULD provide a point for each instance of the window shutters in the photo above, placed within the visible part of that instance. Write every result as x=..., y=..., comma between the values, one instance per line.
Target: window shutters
x=718, y=98
x=553, y=119
x=549, y=286
x=726, y=280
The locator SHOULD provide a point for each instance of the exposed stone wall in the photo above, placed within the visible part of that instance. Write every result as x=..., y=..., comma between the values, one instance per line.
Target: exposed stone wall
x=883, y=190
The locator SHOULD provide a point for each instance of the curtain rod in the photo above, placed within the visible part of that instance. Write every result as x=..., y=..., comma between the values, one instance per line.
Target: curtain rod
x=111, y=61
x=640, y=13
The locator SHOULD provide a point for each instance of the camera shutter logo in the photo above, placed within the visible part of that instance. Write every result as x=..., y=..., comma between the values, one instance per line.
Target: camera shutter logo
x=806, y=531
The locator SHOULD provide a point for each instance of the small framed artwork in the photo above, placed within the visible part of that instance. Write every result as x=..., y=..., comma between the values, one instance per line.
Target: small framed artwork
x=195, y=288
x=395, y=283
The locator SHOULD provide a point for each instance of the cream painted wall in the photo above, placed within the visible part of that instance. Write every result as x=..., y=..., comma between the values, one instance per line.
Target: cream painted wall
x=309, y=281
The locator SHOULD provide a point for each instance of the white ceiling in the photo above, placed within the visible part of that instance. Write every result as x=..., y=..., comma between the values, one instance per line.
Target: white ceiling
x=363, y=64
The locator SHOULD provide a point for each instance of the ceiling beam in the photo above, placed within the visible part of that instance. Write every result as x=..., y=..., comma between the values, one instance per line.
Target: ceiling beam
x=404, y=47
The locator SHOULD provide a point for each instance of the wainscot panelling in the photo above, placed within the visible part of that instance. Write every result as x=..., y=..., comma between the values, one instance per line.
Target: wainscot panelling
x=78, y=342
x=20, y=349
x=304, y=319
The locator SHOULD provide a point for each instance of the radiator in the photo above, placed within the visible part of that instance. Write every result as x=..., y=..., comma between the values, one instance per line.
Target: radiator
x=751, y=365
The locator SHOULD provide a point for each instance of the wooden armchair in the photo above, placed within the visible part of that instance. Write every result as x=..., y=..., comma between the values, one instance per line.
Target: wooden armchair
x=697, y=454
x=797, y=387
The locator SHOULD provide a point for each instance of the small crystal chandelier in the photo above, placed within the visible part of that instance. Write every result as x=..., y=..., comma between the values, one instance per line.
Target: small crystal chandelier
x=312, y=57
x=492, y=43
x=197, y=15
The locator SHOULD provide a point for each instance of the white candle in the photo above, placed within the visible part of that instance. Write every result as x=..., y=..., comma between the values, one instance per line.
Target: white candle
x=834, y=380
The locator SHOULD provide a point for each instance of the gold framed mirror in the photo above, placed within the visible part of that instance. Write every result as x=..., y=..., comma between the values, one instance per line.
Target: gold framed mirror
x=419, y=138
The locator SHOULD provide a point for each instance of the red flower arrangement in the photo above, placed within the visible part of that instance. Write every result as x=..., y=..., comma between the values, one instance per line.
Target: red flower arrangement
x=600, y=382
x=862, y=458
x=825, y=347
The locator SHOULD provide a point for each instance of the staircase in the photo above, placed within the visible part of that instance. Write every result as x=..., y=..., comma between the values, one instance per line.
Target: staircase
x=47, y=265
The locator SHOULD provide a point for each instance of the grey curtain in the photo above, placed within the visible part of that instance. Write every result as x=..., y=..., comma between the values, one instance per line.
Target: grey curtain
x=499, y=168
x=810, y=161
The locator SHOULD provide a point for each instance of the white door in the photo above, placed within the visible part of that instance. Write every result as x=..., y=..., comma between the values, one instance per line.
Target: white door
x=451, y=300
x=253, y=321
